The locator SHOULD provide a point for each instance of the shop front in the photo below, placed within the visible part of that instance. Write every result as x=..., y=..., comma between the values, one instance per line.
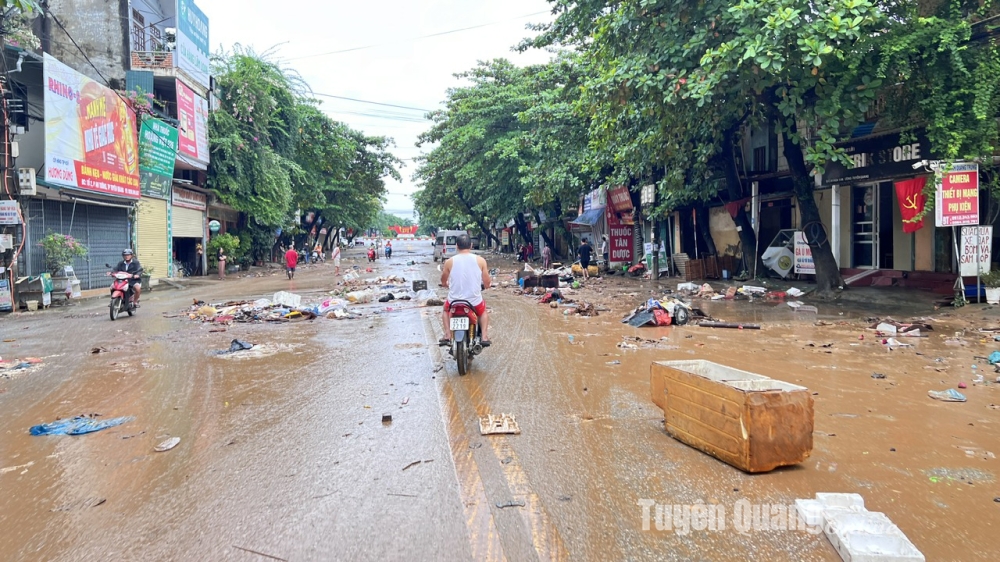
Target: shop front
x=622, y=240
x=590, y=224
x=866, y=207
x=187, y=228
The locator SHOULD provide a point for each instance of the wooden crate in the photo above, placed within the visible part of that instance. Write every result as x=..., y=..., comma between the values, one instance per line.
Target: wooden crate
x=695, y=270
x=712, y=268
x=747, y=420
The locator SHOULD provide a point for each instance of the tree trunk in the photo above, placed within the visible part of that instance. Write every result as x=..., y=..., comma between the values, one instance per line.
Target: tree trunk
x=478, y=218
x=705, y=231
x=545, y=235
x=522, y=227
x=828, y=278
x=748, y=239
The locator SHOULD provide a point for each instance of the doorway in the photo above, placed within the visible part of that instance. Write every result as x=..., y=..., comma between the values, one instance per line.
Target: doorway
x=871, y=226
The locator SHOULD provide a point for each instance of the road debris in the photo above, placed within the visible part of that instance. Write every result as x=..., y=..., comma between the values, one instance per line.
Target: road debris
x=78, y=425
x=84, y=503
x=415, y=463
x=259, y=553
x=167, y=445
x=733, y=325
x=855, y=532
x=496, y=425
x=511, y=503
x=386, y=418
x=950, y=395
x=239, y=345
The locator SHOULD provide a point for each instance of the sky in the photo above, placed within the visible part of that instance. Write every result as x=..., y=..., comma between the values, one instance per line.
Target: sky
x=398, y=69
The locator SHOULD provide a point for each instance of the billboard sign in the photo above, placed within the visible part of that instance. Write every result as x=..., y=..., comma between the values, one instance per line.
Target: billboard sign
x=157, y=153
x=621, y=237
x=90, y=134
x=977, y=245
x=192, y=42
x=804, y=264
x=958, y=196
x=192, y=112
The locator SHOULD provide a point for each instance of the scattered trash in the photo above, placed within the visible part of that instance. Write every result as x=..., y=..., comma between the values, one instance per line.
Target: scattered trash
x=511, y=503
x=502, y=424
x=415, y=463
x=239, y=345
x=79, y=425
x=878, y=376
x=893, y=343
x=85, y=503
x=962, y=385
x=994, y=358
x=613, y=363
x=386, y=418
x=167, y=445
x=950, y=395
x=737, y=326
x=97, y=350
x=793, y=292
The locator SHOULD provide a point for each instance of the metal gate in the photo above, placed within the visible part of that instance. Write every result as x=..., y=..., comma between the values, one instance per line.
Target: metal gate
x=187, y=223
x=153, y=247
x=103, y=230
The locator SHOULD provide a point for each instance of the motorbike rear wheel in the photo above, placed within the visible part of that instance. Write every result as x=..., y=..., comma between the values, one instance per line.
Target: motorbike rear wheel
x=462, y=356
x=115, y=308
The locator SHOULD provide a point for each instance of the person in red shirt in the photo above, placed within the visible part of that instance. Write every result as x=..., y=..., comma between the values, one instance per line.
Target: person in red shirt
x=291, y=260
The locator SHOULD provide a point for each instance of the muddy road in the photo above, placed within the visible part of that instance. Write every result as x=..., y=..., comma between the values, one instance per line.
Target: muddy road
x=284, y=455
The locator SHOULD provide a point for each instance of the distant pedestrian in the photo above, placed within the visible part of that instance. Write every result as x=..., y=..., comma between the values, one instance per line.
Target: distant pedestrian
x=531, y=252
x=336, y=258
x=199, y=267
x=585, y=252
x=222, y=263
x=604, y=250
x=546, y=256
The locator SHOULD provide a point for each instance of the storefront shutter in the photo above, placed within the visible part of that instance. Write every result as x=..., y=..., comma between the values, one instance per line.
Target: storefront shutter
x=187, y=223
x=153, y=250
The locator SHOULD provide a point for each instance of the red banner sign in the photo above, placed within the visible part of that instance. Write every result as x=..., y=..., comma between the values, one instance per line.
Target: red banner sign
x=621, y=199
x=401, y=230
x=910, y=194
x=958, y=196
x=621, y=237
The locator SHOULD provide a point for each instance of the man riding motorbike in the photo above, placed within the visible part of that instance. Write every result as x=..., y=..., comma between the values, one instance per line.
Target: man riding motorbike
x=131, y=265
x=465, y=275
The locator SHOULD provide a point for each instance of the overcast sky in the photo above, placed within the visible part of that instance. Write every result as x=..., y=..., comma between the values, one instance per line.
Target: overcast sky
x=398, y=70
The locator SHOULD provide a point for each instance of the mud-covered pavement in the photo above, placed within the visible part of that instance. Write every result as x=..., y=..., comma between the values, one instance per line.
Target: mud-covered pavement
x=283, y=453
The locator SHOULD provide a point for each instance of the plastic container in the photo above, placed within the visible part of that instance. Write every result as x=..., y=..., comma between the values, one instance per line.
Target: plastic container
x=32, y=305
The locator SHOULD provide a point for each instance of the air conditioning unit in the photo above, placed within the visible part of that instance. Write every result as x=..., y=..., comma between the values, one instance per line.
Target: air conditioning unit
x=26, y=181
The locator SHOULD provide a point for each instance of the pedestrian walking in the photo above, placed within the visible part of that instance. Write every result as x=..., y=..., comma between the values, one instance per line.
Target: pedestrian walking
x=199, y=267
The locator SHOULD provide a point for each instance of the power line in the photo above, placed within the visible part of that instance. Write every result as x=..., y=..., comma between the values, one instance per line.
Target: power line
x=450, y=31
x=373, y=102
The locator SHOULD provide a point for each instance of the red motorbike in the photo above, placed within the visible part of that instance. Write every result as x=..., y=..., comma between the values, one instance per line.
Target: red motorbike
x=467, y=337
x=121, y=294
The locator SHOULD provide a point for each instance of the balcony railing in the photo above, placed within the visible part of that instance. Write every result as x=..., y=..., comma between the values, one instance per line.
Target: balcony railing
x=152, y=60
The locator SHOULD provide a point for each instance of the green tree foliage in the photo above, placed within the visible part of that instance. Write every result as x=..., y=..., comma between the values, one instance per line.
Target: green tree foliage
x=274, y=152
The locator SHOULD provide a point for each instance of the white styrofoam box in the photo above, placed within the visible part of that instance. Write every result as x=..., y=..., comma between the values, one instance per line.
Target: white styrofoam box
x=841, y=500
x=811, y=511
x=839, y=522
x=886, y=547
x=283, y=298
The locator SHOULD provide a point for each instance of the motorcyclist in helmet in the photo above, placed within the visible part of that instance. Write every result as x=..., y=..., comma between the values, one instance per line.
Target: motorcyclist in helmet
x=131, y=265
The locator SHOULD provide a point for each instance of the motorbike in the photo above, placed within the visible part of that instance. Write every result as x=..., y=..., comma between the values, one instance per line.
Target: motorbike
x=371, y=254
x=121, y=294
x=467, y=335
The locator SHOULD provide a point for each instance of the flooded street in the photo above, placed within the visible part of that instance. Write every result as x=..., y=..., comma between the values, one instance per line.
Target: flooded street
x=283, y=453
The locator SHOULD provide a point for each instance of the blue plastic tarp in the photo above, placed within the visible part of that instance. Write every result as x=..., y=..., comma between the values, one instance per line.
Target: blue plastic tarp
x=79, y=425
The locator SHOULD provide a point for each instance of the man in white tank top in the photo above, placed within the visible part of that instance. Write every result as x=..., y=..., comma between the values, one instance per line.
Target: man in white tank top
x=466, y=275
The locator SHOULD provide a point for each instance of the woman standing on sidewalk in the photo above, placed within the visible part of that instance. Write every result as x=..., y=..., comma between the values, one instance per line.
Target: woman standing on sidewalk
x=222, y=263
x=336, y=257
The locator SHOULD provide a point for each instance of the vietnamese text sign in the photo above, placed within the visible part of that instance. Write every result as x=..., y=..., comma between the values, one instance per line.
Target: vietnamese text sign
x=958, y=196
x=621, y=198
x=803, y=255
x=157, y=154
x=90, y=134
x=192, y=42
x=976, y=246
x=192, y=112
x=8, y=212
x=621, y=237
x=189, y=199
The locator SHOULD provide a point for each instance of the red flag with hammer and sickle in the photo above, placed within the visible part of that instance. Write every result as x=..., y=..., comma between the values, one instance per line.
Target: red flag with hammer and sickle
x=911, y=202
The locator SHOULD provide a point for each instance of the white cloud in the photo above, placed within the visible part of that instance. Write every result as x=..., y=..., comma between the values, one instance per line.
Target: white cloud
x=398, y=70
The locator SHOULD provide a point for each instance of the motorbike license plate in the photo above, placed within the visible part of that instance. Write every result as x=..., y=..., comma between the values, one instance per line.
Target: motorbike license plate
x=459, y=323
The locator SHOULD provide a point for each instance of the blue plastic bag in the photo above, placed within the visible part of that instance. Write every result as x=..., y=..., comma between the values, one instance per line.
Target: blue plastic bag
x=79, y=425
x=994, y=358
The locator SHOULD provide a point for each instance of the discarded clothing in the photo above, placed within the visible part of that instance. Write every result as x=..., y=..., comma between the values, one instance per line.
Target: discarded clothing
x=950, y=395
x=79, y=425
x=238, y=345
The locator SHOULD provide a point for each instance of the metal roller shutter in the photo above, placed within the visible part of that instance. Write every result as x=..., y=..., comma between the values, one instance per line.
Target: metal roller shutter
x=151, y=221
x=187, y=223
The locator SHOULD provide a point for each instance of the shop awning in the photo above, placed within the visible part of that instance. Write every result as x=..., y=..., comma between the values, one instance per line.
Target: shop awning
x=588, y=218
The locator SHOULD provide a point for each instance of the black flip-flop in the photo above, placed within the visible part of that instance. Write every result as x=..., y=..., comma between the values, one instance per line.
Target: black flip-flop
x=443, y=342
x=485, y=343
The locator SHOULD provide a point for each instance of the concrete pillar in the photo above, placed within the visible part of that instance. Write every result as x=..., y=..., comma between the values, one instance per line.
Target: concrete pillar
x=835, y=223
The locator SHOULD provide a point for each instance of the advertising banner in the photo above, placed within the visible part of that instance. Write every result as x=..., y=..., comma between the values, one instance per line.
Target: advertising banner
x=192, y=42
x=157, y=154
x=8, y=212
x=90, y=134
x=621, y=199
x=958, y=196
x=977, y=245
x=192, y=112
x=621, y=238
x=803, y=255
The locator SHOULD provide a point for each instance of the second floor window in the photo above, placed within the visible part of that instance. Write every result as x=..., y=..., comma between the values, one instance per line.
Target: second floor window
x=138, y=31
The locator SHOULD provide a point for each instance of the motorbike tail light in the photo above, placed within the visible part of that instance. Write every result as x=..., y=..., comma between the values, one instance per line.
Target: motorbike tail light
x=460, y=310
